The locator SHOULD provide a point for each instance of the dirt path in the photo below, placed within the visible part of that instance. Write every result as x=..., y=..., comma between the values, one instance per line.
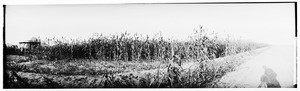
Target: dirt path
x=275, y=65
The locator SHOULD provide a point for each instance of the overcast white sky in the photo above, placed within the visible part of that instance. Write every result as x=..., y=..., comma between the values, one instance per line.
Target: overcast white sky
x=266, y=23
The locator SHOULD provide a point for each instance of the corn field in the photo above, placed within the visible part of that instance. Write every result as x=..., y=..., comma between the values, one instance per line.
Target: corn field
x=126, y=47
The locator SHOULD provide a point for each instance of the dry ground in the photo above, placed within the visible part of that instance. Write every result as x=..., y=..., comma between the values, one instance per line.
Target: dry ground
x=42, y=73
x=274, y=65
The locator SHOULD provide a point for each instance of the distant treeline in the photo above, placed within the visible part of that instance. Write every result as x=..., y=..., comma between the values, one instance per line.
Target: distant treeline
x=12, y=50
x=128, y=47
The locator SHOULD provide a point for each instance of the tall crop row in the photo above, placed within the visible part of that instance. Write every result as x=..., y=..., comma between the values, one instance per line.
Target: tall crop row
x=136, y=47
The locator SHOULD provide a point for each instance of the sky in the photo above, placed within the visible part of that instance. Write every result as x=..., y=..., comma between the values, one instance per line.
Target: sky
x=264, y=23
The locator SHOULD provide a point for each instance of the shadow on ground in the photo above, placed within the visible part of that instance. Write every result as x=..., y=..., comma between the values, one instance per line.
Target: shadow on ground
x=268, y=79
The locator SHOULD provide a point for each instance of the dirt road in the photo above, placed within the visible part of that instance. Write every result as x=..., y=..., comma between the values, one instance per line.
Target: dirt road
x=274, y=65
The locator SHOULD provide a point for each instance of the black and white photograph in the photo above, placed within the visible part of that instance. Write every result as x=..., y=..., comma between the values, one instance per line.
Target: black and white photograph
x=150, y=45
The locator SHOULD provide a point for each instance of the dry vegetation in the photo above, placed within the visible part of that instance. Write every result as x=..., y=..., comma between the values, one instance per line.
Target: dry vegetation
x=125, y=61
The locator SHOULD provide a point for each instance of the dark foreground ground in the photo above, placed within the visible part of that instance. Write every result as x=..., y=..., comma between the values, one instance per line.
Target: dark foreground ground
x=23, y=73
